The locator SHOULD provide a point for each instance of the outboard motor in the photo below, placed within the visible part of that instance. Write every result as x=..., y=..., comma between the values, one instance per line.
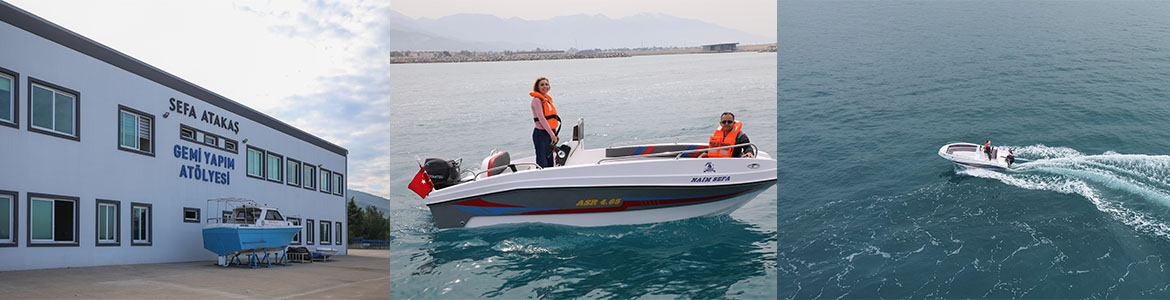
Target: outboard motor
x=443, y=173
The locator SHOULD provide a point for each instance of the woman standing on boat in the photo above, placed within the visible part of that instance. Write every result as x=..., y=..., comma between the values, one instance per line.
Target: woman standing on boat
x=544, y=114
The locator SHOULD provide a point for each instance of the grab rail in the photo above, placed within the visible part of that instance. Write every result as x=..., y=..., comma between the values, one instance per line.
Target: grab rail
x=677, y=154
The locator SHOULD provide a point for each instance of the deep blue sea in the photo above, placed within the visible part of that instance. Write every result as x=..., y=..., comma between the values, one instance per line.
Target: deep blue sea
x=869, y=91
x=464, y=110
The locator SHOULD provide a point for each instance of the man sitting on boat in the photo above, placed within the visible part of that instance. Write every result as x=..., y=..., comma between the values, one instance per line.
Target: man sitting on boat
x=728, y=134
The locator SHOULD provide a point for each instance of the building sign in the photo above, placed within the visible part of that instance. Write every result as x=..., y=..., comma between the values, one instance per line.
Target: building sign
x=197, y=171
x=183, y=108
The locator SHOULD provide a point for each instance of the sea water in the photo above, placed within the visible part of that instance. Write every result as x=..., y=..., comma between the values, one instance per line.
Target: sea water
x=869, y=91
x=465, y=110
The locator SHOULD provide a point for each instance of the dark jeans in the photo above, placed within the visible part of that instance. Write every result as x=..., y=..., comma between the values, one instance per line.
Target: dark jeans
x=543, y=144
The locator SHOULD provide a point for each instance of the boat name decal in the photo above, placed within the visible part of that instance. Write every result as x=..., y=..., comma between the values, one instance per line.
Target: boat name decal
x=208, y=117
x=599, y=202
x=711, y=179
x=197, y=172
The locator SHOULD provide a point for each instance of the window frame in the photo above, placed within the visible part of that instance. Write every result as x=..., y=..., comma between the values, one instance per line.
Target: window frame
x=325, y=187
x=338, y=184
x=279, y=157
x=54, y=198
x=339, y=235
x=15, y=98
x=309, y=184
x=263, y=161
x=149, y=224
x=300, y=169
x=76, y=109
x=98, y=223
x=296, y=237
x=309, y=233
x=14, y=223
x=198, y=215
x=326, y=228
x=140, y=114
x=195, y=138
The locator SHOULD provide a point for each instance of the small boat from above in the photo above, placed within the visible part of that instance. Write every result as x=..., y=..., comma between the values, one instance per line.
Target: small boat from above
x=250, y=227
x=978, y=156
x=625, y=185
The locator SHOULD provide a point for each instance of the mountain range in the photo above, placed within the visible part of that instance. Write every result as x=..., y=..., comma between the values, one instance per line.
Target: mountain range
x=481, y=32
x=363, y=199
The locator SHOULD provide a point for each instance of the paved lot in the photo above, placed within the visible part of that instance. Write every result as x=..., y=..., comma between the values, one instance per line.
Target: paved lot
x=363, y=274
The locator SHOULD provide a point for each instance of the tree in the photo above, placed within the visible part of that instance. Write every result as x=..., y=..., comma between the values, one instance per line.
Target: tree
x=374, y=225
x=353, y=215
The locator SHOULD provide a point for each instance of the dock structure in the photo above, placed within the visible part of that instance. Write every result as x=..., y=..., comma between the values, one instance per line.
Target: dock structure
x=725, y=47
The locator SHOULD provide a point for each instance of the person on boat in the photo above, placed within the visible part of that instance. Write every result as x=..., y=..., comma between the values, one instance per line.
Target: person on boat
x=544, y=114
x=728, y=134
x=987, y=149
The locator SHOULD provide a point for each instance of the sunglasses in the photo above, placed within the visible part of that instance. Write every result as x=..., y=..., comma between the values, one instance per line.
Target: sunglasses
x=726, y=122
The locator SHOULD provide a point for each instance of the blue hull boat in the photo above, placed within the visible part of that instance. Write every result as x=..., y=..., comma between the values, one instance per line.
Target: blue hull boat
x=226, y=240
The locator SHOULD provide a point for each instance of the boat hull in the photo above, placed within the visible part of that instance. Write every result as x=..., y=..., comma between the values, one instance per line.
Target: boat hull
x=223, y=240
x=970, y=155
x=596, y=206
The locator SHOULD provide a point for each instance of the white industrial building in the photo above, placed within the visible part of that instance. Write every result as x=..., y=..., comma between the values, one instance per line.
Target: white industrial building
x=106, y=160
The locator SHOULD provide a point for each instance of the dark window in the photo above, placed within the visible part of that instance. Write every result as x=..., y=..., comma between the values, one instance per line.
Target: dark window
x=52, y=220
x=296, y=238
x=230, y=146
x=8, y=224
x=135, y=131
x=292, y=169
x=187, y=133
x=310, y=176
x=273, y=216
x=140, y=224
x=309, y=231
x=9, y=106
x=190, y=215
x=337, y=241
x=54, y=110
x=211, y=140
x=274, y=166
x=255, y=162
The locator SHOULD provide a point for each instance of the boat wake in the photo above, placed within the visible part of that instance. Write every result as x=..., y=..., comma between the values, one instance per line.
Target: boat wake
x=1111, y=181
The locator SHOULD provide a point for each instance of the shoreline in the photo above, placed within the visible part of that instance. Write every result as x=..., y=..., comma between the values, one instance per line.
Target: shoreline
x=430, y=57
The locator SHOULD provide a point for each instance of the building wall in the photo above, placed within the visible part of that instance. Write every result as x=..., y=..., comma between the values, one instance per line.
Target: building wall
x=94, y=168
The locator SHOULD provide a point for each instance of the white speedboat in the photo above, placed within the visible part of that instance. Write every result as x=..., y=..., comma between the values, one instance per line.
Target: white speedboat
x=597, y=187
x=249, y=228
x=976, y=156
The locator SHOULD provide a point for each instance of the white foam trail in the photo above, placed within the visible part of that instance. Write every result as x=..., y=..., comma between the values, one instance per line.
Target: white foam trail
x=1068, y=171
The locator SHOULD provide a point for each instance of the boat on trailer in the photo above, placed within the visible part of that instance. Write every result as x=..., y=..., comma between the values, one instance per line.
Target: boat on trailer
x=257, y=231
x=623, y=185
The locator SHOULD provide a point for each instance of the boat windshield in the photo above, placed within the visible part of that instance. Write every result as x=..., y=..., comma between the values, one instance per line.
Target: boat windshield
x=273, y=216
x=247, y=215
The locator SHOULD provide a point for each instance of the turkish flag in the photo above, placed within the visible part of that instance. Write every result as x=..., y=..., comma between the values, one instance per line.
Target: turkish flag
x=421, y=184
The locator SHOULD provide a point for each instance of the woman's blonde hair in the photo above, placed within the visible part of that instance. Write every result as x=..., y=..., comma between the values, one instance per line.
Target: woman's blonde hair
x=536, y=86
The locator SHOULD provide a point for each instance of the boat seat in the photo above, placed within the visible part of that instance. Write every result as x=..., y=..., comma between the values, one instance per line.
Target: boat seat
x=652, y=149
x=501, y=159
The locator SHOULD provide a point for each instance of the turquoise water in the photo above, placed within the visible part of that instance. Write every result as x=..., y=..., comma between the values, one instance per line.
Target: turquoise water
x=869, y=91
x=465, y=110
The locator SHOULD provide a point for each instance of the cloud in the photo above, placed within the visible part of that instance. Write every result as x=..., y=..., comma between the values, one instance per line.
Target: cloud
x=350, y=105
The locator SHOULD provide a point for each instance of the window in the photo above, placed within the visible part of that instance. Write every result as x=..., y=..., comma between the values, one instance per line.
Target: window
x=140, y=224
x=187, y=133
x=230, y=146
x=226, y=217
x=309, y=231
x=273, y=216
x=210, y=140
x=255, y=162
x=52, y=220
x=296, y=238
x=108, y=218
x=337, y=184
x=7, y=219
x=8, y=104
x=310, y=176
x=337, y=240
x=274, y=164
x=135, y=131
x=325, y=185
x=53, y=110
x=292, y=168
x=190, y=215
x=325, y=232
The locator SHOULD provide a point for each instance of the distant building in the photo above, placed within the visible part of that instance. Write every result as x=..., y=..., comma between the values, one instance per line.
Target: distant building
x=727, y=47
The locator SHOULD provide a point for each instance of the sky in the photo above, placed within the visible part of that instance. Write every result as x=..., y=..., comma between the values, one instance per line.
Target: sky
x=751, y=16
x=320, y=66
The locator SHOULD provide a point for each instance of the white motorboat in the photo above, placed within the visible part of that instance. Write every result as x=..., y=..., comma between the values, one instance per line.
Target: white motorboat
x=977, y=156
x=597, y=187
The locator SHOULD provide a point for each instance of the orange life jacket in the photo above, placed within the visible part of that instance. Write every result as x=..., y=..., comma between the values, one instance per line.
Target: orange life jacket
x=719, y=140
x=550, y=111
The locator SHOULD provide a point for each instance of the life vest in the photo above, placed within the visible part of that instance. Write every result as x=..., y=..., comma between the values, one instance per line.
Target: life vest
x=550, y=111
x=718, y=139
